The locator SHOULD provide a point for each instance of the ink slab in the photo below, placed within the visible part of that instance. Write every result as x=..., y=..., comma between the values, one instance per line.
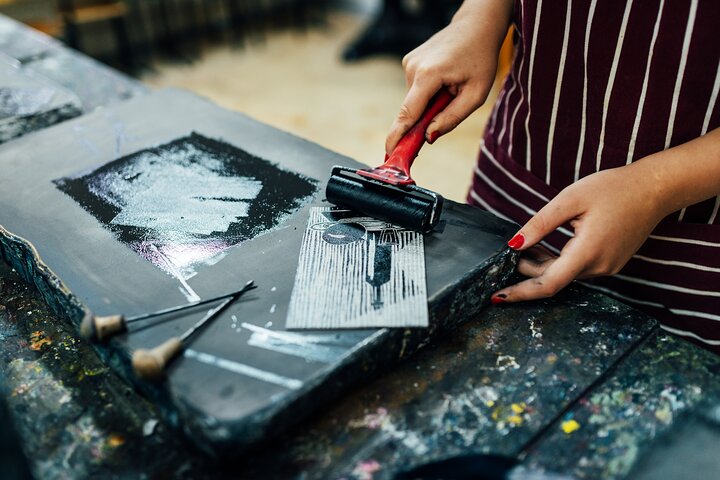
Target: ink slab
x=244, y=379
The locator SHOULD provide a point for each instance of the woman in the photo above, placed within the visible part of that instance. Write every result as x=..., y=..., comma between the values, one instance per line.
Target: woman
x=604, y=143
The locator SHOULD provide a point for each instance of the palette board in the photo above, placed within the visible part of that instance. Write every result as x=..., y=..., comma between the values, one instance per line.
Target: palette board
x=167, y=197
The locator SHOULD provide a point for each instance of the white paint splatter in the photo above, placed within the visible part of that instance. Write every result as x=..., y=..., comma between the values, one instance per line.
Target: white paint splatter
x=324, y=348
x=242, y=369
x=381, y=420
x=504, y=362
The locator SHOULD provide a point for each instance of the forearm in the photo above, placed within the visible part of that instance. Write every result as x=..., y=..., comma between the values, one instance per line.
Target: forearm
x=685, y=174
x=490, y=18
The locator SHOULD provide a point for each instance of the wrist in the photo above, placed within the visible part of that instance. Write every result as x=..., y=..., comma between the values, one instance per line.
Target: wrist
x=488, y=19
x=683, y=175
x=660, y=188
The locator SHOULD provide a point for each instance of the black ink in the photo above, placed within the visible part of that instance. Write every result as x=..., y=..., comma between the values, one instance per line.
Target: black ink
x=181, y=204
x=344, y=233
x=381, y=267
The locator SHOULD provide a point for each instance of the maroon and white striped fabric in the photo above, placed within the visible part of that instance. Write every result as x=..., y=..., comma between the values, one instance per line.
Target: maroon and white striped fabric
x=596, y=85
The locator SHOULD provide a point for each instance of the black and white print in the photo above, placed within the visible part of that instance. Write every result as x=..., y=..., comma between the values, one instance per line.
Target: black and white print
x=358, y=272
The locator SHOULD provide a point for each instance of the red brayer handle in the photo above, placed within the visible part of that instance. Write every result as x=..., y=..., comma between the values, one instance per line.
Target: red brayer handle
x=396, y=169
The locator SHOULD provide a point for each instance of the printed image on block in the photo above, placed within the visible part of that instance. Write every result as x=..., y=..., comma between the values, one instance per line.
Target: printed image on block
x=183, y=204
x=358, y=272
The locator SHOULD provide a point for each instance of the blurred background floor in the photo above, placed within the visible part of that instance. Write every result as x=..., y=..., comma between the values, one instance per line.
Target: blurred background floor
x=297, y=81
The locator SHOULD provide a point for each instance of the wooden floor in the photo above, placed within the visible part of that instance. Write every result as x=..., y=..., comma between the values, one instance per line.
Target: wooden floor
x=296, y=81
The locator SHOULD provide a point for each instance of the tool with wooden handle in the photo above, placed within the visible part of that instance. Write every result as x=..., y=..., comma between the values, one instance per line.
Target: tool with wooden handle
x=151, y=364
x=100, y=328
x=388, y=192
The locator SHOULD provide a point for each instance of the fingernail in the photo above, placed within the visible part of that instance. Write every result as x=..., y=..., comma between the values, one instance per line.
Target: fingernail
x=517, y=241
x=498, y=298
x=433, y=136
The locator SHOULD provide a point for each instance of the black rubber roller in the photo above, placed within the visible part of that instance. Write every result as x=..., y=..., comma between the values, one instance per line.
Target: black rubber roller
x=408, y=206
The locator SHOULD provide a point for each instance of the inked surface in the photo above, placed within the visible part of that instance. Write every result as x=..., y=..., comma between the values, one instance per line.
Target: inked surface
x=15, y=101
x=183, y=204
x=357, y=272
x=29, y=103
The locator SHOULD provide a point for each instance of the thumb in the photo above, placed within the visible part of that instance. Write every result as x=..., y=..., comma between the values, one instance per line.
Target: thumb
x=549, y=218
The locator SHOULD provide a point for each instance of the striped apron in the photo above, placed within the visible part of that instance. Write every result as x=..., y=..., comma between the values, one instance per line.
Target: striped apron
x=596, y=85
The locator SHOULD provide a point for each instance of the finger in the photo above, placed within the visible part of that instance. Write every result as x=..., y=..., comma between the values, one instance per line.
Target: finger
x=539, y=253
x=412, y=108
x=566, y=268
x=559, y=210
x=533, y=268
x=466, y=102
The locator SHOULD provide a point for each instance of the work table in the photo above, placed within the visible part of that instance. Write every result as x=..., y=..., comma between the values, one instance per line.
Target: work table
x=578, y=385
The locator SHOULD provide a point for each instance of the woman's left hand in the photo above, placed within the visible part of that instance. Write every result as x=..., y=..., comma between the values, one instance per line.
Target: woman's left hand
x=612, y=212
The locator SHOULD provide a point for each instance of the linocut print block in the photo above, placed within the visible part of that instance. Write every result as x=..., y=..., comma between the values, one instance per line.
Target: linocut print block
x=358, y=272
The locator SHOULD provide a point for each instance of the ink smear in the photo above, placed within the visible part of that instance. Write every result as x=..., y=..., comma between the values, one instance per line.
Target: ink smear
x=181, y=205
x=358, y=272
x=18, y=101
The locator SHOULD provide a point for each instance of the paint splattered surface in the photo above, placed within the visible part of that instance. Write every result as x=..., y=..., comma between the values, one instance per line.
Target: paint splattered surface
x=76, y=417
x=651, y=395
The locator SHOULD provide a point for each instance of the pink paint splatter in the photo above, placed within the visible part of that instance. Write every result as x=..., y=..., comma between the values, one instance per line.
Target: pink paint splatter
x=365, y=469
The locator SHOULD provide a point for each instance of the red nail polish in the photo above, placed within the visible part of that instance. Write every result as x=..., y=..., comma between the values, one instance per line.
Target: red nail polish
x=433, y=136
x=387, y=156
x=517, y=241
x=499, y=298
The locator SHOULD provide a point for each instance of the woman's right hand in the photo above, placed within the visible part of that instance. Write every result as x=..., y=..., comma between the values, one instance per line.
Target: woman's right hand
x=461, y=57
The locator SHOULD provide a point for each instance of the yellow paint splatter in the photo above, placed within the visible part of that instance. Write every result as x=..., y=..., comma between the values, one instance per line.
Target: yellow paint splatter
x=490, y=403
x=515, y=419
x=664, y=415
x=495, y=414
x=518, y=407
x=115, y=440
x=38, y=340
x=569, y=426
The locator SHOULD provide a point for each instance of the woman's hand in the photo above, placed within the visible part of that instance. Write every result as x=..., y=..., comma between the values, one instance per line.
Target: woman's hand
x=461, y=57
x=612, y=213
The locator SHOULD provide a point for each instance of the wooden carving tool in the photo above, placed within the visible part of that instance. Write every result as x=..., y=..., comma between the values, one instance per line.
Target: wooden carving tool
x=151, y=364
x=99, y=328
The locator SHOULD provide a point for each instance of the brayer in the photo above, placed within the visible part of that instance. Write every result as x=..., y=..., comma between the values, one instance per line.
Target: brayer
x=388, y=192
